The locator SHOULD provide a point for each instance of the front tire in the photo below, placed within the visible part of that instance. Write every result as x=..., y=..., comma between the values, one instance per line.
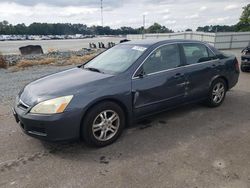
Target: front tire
x=103, y=124
x=217, y=93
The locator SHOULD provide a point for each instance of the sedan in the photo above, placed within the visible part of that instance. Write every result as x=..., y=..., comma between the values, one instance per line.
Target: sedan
x=124, y=84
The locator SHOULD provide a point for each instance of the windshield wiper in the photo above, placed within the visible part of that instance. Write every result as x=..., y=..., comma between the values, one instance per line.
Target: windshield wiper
x=93, y=69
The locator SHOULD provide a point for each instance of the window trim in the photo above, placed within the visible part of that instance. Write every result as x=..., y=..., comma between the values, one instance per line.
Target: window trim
x=186, y=65
x=179, y=54
x=207, y=50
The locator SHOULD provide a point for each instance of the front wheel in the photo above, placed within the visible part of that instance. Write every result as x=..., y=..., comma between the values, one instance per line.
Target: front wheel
x=103, y=124
x=217, y=93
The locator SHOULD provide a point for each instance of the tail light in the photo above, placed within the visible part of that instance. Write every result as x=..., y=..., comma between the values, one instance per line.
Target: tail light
x=236, y=64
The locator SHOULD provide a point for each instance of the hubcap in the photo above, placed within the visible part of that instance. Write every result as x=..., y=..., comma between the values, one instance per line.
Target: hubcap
x=106, y=125
x=218, y=92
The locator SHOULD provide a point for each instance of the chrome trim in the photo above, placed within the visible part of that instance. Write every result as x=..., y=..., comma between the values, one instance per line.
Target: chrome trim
x=37, y=133
x=176, y=68
x=133, y=76
x=24, y=104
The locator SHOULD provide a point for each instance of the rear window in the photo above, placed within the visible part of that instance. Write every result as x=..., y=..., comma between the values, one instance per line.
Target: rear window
x=197, y=53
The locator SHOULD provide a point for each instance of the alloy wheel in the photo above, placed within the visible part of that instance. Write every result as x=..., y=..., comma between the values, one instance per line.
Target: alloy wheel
x=218, y=92
x=106, y=125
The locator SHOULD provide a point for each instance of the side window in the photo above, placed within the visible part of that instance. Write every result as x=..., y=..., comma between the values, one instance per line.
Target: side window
x=197, y=53
x=211, y=54
x=166, y=57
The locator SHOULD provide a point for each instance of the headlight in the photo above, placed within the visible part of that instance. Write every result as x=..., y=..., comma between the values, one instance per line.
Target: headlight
x=52, y=106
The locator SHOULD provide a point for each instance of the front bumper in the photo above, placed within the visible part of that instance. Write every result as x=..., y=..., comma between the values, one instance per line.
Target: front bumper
x=245, y=61
x=56, y=127
x=245, y=64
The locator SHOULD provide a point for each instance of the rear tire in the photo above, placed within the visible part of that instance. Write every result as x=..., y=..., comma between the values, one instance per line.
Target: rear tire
x=103, y=124
x=217, y=93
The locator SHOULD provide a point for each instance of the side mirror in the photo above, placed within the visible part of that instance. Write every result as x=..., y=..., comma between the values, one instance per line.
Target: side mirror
x=140, y=74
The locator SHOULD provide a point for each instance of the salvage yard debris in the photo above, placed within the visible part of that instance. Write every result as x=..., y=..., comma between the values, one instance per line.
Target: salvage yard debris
x=31, y=49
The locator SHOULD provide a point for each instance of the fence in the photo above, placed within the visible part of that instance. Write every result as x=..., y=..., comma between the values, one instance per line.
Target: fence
x=219, y=40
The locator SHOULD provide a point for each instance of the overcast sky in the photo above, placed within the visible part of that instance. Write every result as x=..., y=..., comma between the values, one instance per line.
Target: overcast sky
x=174, y=14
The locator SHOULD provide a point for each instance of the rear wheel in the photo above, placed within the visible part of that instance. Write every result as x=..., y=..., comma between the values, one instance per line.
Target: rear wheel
x=103, y=124
x=217, y=93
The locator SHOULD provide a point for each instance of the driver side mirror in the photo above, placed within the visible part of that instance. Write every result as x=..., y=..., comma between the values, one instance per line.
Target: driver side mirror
x=140, y=73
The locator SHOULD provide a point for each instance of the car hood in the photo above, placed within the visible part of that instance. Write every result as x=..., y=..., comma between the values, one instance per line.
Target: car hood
x=69, y=82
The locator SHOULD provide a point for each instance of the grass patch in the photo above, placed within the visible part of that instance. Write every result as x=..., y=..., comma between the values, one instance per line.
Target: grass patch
x=30, y=63
x=73, y=60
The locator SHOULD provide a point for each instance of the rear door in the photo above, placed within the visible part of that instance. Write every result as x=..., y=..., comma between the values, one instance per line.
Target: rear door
x=159, y=81
x=201, y=66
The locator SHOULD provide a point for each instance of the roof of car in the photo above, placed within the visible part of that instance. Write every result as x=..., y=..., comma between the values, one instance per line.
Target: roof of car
x=150, y=42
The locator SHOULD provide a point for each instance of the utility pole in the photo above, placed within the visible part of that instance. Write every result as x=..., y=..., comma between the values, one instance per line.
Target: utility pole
x=143, y=22
x=102, y=13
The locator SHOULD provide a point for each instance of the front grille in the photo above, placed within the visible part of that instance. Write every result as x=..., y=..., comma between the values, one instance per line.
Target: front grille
x=37, y=129
x=245, y=58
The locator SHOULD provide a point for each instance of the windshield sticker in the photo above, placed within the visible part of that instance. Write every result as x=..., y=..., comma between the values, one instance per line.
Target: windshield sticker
x=139, y=48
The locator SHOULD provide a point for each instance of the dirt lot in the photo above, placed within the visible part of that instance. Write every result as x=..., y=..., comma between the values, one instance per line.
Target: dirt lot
x=193, y=146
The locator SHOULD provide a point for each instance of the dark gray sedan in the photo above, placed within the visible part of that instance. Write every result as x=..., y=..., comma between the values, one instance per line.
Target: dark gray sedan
x=128, y=82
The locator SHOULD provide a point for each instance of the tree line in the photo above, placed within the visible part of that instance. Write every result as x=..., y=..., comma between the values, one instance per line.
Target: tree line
x=241, y=26
x=71, y=29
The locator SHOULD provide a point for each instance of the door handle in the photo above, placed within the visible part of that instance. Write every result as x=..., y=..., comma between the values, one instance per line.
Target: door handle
x=178, y=75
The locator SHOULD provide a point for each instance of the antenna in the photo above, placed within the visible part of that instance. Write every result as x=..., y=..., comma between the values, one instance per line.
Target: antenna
x=102, y=13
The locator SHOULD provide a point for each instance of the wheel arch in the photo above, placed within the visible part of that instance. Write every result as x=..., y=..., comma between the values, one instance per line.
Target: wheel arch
x=220, y=77
x=125, y=109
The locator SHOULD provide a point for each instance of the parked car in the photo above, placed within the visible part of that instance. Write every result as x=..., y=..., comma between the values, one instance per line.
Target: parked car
x=245, y=59
x=128, y=82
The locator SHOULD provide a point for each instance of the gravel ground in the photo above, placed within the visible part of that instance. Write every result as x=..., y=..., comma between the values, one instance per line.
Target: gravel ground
x=193, y=146
x=12, y=82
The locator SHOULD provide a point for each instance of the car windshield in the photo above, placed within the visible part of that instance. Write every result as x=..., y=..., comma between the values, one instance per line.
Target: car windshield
x=116, y=59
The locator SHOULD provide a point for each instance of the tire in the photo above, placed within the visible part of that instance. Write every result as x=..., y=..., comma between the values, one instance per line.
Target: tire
x=217, y=93
x=98, y=130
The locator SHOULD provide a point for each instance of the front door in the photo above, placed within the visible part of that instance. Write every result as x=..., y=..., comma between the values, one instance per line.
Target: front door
x=159, y=83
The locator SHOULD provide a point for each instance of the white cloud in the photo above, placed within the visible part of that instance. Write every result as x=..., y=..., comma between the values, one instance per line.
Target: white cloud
x=164, y=11
x=203, y=8
x=166, y=17
x=169, y=22
x=231, y=7
x=193, y=16
x=218, y=20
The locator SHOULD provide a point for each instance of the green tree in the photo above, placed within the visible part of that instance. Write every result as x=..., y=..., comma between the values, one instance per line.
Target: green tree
x=244, y=23
x=157, y=28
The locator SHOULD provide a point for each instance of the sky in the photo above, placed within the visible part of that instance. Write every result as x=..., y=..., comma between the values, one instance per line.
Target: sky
x=177, y=15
